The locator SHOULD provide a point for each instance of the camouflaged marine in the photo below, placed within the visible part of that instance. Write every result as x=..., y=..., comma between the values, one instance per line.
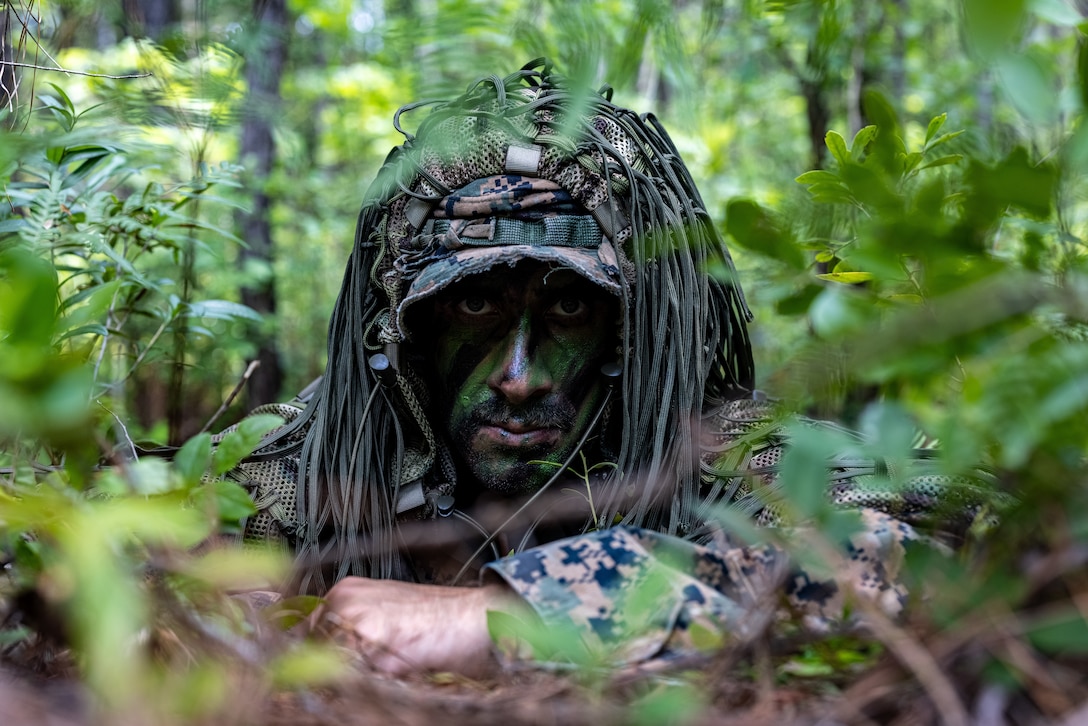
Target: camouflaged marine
x=527, y=316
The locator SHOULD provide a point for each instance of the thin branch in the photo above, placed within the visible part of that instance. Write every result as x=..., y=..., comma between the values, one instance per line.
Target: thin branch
x=74, y=73
x=124, y=430
x=245, y=377
x=26, y=29
x=147, y=348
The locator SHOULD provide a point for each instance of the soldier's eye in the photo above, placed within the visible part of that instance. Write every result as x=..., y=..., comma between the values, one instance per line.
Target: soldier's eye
x=569, y=306
x=475, y=305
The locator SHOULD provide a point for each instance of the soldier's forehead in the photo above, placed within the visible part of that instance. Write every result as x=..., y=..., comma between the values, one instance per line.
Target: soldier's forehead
x=524, y=272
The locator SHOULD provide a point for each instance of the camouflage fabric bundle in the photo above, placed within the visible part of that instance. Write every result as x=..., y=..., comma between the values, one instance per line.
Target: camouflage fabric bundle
x=683, y=341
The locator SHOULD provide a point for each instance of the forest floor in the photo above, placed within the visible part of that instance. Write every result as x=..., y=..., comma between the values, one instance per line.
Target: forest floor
x=530, y=697
x=979, y=673
x=701, y=693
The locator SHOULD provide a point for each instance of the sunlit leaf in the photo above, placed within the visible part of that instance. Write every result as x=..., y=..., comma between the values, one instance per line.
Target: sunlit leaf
x=935, y=125
x=837, y=146
x=309, y=664
x=861, y=141
x=818, y=175
x=848, y=278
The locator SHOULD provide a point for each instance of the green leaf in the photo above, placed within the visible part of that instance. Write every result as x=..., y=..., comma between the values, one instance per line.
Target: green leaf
x=556, y=642
x=838, y=311
x=1056, y=12
x=193, y=460
x=1029, y=85
x=836, y=193
x=861, y=141
x=1082, y=76
x=232, y=501
x=935, y=125
x=1063, y=633
x=837, y=146
x=241, y=442
x=1013, y=180
x=674, y=704
x=909, y=161
x=943, y=138
x=149, y=475
x=847, y=278
x=65, y=100
x=943, y=161
x=234, y=568
x=804, y=471
x=223, y=310
x=14, y=224
x=95, y=302
x=817, y=175
x=755, y=229
x=28, y=294
x=90, y=329
x=799, y=302
x=992, y=26
x=704, y=639
x=807, y=668
x=291, y=611
x=308, y=664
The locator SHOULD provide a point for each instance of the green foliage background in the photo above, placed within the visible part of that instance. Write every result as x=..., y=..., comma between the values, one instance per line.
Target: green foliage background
x=902, y=185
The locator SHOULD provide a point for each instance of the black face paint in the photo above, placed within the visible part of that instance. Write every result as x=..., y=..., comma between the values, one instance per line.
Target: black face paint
x=514, y=365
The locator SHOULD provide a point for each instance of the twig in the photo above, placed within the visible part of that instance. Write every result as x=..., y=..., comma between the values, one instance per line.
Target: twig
x=74, y=73
x=245, y=377
x=147, y=348
x=37, y=38
x=124, y=429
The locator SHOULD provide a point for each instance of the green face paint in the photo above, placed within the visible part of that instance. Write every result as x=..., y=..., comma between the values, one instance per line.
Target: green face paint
x=516, y=362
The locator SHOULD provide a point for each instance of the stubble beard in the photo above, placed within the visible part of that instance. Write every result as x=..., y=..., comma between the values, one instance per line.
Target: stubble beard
x=516, y=475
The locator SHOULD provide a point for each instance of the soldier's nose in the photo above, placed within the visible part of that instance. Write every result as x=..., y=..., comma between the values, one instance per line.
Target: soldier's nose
x=521, y=375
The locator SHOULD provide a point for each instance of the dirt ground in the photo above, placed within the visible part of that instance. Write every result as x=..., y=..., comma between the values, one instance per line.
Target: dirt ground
x=699, y=695
x=39, y=686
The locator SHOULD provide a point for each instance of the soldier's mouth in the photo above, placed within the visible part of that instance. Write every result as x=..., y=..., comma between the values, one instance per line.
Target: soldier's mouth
x=517, y=434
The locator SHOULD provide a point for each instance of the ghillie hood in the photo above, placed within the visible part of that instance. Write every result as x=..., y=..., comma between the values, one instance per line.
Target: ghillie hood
x=684, y=338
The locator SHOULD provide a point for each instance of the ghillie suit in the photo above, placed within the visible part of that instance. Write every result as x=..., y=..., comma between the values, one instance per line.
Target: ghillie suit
x=684, y=343
x=364, y=449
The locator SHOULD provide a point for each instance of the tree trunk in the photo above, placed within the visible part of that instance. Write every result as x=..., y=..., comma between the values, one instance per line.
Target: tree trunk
x=149, y=18
x=266, y=55
x=897, y=64
x=818, y=113
x=9, y=76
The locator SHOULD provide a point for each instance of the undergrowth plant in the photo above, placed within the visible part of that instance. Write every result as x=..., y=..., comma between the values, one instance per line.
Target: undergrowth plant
x=107, y=553
x=946, y=295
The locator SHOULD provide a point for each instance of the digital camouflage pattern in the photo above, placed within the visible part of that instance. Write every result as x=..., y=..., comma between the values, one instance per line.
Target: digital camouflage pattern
x=504, y=219
x=635, y=594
